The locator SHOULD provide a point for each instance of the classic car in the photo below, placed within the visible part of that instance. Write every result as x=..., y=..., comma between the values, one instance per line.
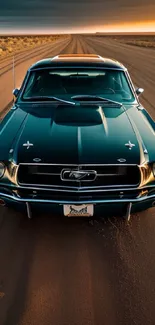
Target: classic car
x=78, y=139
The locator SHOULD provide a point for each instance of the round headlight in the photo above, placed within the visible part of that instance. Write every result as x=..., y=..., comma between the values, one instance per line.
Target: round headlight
x=153, y=169
x=2, y=170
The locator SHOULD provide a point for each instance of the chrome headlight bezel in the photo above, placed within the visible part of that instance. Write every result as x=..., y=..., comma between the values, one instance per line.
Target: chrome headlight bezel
x=2, y=169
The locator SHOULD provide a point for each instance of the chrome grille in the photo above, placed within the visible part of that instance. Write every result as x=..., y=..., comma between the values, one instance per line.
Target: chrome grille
x=49, y=175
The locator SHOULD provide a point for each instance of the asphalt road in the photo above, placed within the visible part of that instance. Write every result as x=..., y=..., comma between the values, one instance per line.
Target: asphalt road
x=70, y=272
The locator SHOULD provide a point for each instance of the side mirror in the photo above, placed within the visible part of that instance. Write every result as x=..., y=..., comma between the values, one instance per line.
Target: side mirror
x=16, y=92
x=139, y=91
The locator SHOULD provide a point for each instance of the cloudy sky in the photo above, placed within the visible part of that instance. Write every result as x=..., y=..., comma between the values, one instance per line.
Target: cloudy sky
x=76, y=15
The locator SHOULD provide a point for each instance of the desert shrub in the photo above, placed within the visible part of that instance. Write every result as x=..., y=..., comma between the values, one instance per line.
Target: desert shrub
x=14, y=44
x=3, y=47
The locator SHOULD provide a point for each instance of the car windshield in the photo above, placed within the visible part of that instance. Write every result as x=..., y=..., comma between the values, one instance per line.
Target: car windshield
x=66, y=83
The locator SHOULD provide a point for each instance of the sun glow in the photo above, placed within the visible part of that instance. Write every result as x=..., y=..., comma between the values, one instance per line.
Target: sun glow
x=146, y=26
x=126, y=27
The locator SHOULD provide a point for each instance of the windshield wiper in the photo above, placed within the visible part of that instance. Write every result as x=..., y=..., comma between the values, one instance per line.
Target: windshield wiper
x=79, y=98
x=96, y=99
x=52, y=98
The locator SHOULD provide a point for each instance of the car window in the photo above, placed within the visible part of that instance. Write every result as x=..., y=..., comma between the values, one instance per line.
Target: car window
x=110, y=84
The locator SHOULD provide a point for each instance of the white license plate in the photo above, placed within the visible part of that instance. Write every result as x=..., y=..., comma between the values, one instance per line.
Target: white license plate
x=83, y=210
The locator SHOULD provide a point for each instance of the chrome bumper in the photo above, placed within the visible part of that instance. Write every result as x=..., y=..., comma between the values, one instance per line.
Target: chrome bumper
x=18, y=199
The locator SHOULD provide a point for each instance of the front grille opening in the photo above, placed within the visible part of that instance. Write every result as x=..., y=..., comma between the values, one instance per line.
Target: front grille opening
x=107, y=176
x=75, y=196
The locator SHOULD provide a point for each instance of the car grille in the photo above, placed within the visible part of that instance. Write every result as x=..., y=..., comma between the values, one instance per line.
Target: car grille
x=105, y=175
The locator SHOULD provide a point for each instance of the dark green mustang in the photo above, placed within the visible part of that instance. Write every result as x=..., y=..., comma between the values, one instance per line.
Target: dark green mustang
x=78, y=138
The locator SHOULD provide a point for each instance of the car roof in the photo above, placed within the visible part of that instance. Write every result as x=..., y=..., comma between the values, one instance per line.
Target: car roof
x=78, y=60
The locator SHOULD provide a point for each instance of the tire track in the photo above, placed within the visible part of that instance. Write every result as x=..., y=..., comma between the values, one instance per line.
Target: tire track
x=43, y=52
x=6, y=97
x=135, y=60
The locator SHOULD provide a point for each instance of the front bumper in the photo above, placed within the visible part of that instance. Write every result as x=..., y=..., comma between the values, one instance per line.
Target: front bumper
x=102, y=205
x=18, y=199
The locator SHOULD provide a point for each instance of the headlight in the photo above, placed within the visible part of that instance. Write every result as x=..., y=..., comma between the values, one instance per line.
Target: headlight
x=153, y=169
x=2, y=169
x=146, y=174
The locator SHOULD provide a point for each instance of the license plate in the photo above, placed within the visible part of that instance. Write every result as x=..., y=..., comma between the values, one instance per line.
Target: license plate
x=83, y=210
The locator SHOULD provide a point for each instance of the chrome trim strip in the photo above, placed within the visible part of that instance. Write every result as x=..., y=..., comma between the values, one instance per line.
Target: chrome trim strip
x=101, y=175
x=77, y=67
x=59, y=174
x=77, y=165
x=18, y=199
x=77, y=188
x=47, y=174
x=131, y=85
x=73, y=189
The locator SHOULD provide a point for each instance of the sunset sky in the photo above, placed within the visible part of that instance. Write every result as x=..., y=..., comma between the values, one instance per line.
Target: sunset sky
x=52, y=16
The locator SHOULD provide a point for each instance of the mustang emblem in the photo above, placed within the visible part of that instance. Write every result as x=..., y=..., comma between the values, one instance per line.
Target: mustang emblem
x=78, y=175
x=28, y=144
x=130, y=145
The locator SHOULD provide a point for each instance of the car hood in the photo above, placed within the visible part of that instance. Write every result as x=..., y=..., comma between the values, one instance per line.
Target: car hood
x=74, y=135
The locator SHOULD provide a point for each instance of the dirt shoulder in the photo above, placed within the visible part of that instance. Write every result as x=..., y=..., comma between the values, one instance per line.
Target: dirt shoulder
x=147, y=41
x=11, y=45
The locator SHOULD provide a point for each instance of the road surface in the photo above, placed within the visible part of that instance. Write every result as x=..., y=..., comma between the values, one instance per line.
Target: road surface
x=70, y=272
